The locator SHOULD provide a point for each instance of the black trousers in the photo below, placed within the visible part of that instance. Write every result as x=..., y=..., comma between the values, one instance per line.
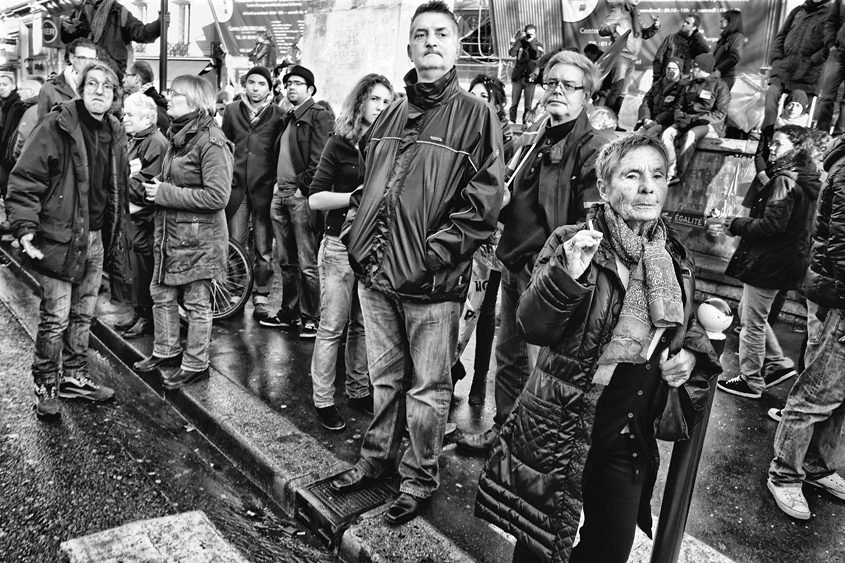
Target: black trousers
x=611, y=502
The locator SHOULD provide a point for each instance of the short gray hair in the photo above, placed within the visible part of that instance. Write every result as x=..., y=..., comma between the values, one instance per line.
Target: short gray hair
x=144, y=104
x=612, y=154
x=111, y=76
x=592, y=76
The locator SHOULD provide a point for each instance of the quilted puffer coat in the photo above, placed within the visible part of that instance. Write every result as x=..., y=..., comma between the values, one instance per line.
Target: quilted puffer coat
x=531, y=485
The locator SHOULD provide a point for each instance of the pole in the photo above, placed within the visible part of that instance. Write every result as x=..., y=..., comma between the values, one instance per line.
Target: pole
x=162, y=58
x=680, y=482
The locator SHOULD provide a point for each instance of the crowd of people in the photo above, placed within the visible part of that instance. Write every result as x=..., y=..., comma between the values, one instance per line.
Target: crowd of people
x=377, y=214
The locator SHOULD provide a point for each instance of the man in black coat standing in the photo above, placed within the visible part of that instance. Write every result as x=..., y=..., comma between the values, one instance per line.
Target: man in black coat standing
x=254, y=124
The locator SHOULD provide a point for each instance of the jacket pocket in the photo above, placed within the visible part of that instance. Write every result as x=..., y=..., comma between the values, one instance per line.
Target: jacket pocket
x=194, y=229
x=536, y=432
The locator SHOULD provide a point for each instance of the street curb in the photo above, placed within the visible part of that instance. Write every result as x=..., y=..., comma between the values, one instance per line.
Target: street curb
x=272, y=452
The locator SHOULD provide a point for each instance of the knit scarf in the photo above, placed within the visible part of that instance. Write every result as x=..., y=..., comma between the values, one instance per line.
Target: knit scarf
x=653, y=297
x=254, y=113
x=97, y=16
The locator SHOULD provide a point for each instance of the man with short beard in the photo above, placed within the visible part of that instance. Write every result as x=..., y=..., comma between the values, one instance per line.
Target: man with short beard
x=686, y=45
x=254, y=124
x=65, y=206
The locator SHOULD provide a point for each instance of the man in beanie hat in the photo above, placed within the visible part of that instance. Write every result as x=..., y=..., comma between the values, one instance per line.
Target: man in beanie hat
x=685, y=45
x=657, y=110
x=306, y=128
x=254, y=124
x=700, y=112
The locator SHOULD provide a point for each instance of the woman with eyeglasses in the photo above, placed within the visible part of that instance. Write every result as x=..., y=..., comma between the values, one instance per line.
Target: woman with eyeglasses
x=190, y=230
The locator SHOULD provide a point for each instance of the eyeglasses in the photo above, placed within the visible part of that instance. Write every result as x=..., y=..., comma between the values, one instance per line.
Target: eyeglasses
x=94, y=86
x=81, y=58
x=290, y=83
x=130, y=74
x=568, y=87
x=172, y=94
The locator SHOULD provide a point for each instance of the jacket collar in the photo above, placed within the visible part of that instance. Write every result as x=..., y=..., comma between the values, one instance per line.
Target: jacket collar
x=68, y=119
x=297, y=113
x=425, y=95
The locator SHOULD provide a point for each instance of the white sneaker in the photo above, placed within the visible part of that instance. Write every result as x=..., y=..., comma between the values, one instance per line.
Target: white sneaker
x=790, y=499
x=833, y=483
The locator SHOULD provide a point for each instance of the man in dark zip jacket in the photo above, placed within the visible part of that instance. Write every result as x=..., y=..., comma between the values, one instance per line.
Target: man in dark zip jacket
x=809, y=438
x=66, y=205
x=431, y=196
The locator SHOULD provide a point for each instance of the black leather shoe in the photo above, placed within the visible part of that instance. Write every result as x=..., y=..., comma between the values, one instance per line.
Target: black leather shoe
x=154, y=362
x=350, y=481
x=184, y=377
x=478, y=443
x=127, y=324
x=404, y=509
x=139, y=329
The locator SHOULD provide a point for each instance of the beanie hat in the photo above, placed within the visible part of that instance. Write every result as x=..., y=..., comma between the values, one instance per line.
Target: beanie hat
x=262, y=71
x=678, y=61
x=303, y=73
x=705, y=62
x=798, y=96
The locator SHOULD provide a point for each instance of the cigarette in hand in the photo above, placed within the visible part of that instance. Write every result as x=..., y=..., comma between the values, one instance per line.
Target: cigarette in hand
x=590, y=224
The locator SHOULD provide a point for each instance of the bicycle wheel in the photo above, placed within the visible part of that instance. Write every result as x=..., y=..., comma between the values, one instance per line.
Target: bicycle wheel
x=228, y=298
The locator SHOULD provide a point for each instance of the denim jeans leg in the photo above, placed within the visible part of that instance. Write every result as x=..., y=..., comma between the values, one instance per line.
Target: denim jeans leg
x=83, y=303
x=196, y=299
x=286, y=245
x=516, y=93
x=515, y=358
x=357, y=368
x=336, y=282
x=669, y=136
x=306, y=248
x=262, y=233
x=773, y=94
x=432, y=330
x=832, y=76
x=53, y=318
x=691, y=137
x=390, y=368
x=165, y=320
x=239, y=223
x=528, y=93
x=809, y=437
x=757, y=341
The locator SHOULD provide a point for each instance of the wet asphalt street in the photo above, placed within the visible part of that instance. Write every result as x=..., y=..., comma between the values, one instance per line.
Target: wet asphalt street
x=106, y=465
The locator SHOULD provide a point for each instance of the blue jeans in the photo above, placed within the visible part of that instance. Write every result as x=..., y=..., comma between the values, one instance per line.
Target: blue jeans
x=623, y=78
x=832, y=76
x=297, y=256
x=515, y=358
x=262, y=235
x=410, y=347
x=520, y=88
x=809, y=437
x=758, y=344
x=196, y=299
x=64, y=319
x=338, y=303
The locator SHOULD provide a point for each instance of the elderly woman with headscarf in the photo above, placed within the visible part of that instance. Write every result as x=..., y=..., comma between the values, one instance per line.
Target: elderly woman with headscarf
x=191, y=235
x=612, y=304
x=146, y=152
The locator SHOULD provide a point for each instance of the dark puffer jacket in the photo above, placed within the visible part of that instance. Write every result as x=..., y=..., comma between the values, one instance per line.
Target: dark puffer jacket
x=705, y=101
x=531, y=485
x=48, y=195
x=190, y=225
x=659, y=101
x=799, y=52
x=825, y=282
x=775, y=245
x=433, y=188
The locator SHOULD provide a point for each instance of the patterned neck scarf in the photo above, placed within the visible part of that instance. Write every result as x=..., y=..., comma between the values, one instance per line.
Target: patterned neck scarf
x=97, y=17
x=653, y=297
